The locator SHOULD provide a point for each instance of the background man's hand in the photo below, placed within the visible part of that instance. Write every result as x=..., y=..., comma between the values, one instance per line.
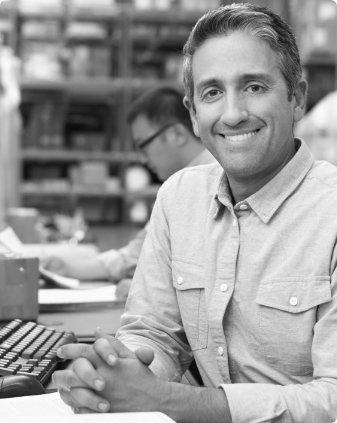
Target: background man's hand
x=55, y=264
x=123, y=288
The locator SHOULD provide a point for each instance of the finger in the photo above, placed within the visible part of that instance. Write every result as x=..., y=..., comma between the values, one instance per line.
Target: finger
x=110, y=349
x=83, y=410
x=88, y=399
x=145, y=355
x=67, y=379
x=87, y=373
x=67, y=398
x=74, y=351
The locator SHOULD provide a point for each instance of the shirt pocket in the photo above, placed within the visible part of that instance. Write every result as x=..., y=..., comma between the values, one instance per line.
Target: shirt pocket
x=287, y=316
x=189, y=282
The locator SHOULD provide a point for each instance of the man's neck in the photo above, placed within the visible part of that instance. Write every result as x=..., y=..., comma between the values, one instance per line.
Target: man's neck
x=244, y=188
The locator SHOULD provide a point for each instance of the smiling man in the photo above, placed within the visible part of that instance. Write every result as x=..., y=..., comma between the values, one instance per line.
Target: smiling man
x=238, y=268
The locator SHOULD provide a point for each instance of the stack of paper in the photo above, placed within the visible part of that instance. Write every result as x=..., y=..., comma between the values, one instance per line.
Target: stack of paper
x=51, y=409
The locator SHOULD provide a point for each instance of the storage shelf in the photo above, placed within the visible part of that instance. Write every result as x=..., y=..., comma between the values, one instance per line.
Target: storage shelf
x=64, y=104
x=173, y=15
x=72, y=85
x=87, y=191
x=37, y=155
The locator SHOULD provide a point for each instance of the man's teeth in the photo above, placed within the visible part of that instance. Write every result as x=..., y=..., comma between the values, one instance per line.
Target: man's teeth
x=240, y=137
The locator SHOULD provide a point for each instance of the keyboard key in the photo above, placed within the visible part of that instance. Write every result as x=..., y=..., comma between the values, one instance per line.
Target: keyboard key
x=28, y=374
x=7, y=371
x=30, y=349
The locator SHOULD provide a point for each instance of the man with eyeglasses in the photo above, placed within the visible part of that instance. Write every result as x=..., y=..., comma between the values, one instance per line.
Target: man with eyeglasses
x=162, y=132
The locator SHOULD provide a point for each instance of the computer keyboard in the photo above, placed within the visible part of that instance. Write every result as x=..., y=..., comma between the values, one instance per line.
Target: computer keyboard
x=30, y=349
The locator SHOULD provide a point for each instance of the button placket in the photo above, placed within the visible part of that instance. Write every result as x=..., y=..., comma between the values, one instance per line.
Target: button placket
x=224, y=287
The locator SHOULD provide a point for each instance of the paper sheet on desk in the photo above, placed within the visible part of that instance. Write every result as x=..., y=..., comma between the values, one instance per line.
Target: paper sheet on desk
x=50, y=408
x=78, y=296
x=12, y=243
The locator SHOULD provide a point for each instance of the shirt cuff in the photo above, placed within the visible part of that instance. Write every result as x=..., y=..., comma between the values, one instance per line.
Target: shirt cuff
x=252, y=402
x=160, y=366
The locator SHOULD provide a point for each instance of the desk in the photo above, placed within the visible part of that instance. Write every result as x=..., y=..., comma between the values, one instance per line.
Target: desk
x=83, y=323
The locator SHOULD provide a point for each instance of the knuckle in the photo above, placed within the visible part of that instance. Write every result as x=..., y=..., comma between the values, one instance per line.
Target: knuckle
x=101, y=344
x=84, y=350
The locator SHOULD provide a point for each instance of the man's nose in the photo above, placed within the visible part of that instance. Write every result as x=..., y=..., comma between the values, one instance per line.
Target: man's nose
x=234, y=110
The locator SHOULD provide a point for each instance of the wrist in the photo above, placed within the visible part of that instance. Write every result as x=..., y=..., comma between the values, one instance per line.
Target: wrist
x=185, y=403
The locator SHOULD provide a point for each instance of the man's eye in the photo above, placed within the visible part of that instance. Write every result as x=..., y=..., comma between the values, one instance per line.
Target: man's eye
x=255, y=88
x=211, y=93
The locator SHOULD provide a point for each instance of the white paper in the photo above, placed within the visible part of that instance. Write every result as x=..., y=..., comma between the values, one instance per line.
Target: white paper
x=77, y=296
x=49, y=408
x=11, y=241
x=63, y=281
x=48, y=404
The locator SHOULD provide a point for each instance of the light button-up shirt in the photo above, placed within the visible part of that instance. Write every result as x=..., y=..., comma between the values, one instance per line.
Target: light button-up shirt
x=270, y=338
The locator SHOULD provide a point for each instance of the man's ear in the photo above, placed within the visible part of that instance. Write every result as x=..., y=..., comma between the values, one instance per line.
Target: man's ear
x=193, y=115
x=300, y=96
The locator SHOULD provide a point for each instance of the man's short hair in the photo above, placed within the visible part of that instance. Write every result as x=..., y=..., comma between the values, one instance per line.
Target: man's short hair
x=257, y=21
x=161, y=105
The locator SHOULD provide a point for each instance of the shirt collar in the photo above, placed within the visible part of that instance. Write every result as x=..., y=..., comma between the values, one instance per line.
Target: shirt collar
x=269, y=198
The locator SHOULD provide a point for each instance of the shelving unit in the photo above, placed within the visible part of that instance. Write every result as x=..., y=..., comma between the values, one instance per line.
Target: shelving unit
x=81, y=69
x=74, y=118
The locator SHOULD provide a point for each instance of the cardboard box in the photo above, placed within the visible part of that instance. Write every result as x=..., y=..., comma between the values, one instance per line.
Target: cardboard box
x=19, y=283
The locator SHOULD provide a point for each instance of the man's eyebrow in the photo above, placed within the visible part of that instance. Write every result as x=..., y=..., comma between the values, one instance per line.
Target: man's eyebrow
x=253, y=76
x=258, y=76
x=206, y=83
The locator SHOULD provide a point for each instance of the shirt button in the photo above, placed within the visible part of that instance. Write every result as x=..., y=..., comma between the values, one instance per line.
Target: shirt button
x=293, y=301
x=224, y=287
x=243, y=207
x=234, y=222
x=180, y=280
x=220, y=351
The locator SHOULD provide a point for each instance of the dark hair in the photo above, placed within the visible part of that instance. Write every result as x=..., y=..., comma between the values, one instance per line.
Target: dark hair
x=254, y=20
x=161, y=105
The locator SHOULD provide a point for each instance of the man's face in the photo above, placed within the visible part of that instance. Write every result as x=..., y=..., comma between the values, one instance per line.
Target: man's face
x=242, y=112
x=160, y=155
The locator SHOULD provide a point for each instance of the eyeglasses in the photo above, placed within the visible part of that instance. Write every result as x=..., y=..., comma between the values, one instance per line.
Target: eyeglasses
x=140, y=146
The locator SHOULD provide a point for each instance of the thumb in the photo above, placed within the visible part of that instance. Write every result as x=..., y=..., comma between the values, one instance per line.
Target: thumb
x=145, y=355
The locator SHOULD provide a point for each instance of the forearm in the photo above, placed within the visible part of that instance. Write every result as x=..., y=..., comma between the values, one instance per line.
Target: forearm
x=89, y=269
x=186, y=404
x=312, y=402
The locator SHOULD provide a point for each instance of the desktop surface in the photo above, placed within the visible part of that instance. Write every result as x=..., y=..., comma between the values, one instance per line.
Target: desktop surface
x=83, y=323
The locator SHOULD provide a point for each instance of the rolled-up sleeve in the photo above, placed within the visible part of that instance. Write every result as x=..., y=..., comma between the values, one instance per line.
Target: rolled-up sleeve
x=152, y=291
x=311, y=402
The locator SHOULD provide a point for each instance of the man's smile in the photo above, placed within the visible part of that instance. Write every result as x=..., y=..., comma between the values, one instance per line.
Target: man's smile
x=239, y=137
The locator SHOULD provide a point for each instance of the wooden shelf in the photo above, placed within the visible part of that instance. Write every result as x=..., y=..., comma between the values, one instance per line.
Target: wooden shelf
x=86, y=191
x=38, y=155
x=97, y=86
x=175, y=15
x=63, y=99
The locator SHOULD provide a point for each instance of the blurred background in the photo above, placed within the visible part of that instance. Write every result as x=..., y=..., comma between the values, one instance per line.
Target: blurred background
x=69, y=69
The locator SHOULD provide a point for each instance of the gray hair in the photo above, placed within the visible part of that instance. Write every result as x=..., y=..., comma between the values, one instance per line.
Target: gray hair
x=257, y=21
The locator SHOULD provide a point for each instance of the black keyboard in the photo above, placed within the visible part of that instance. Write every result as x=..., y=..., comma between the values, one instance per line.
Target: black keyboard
x=30, y=349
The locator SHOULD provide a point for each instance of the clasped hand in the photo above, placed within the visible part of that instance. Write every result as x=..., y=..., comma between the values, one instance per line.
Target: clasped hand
x=107, y=376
